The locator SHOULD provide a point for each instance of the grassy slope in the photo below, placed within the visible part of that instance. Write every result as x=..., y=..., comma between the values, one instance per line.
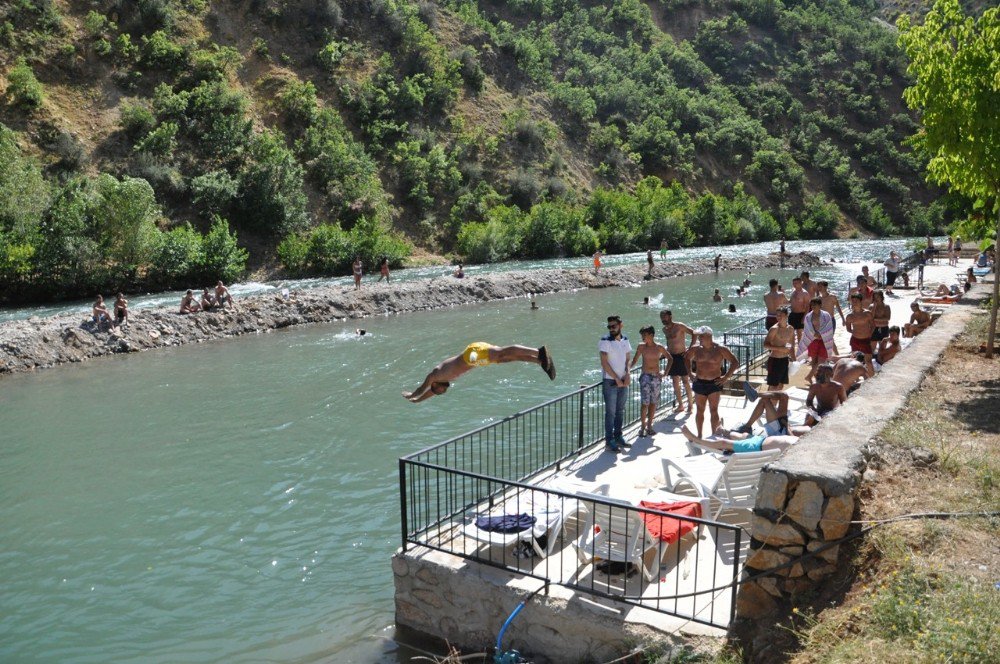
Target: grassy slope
x=83, y=99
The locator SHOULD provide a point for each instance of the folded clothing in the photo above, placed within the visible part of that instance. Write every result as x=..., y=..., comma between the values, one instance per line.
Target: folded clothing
x=667, y=529
x=505, y=523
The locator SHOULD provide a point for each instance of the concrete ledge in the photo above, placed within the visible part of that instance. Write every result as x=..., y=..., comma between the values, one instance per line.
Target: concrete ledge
x=467, y=603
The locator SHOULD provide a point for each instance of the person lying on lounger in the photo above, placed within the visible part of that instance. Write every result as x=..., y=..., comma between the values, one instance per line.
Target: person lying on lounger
x=739, y=445
x=478, y=354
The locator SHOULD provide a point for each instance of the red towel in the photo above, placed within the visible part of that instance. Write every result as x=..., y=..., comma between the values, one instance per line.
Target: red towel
x=667, y=529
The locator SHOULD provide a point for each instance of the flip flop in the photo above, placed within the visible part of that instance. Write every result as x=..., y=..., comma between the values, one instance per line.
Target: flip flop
x=748, y=390
x=547, y=364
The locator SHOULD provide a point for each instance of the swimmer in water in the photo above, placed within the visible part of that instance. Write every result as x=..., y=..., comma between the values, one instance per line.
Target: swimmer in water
x=478, y=354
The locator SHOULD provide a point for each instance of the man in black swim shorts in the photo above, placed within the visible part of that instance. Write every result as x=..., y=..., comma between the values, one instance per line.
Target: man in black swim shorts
x=709, y=378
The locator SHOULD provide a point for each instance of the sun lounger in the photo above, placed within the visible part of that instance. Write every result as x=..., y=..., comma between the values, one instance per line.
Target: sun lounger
x=733, y=482
x=549, y=511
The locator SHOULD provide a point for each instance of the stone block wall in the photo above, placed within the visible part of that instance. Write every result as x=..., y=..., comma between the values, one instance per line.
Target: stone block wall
x=806, y=501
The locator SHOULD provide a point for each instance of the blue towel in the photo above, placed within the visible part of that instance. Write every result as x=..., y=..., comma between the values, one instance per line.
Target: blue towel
x=505, y=523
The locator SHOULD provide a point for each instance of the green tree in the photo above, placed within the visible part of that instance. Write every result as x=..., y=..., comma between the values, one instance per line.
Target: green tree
x=956, y=90
x=124, y=217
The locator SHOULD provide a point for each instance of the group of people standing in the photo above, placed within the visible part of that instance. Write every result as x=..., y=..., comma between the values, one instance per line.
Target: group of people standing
x=702, y=360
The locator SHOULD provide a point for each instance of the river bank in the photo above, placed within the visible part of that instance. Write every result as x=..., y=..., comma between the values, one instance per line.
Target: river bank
x=38, y=343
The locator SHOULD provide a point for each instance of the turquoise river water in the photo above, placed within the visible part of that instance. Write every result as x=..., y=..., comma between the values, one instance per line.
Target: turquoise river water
x=238, y=500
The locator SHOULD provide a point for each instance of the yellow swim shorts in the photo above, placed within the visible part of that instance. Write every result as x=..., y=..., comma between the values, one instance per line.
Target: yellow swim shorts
x=477, y=354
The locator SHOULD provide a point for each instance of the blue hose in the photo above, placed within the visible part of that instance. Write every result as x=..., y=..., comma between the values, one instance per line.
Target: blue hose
x=507, y=622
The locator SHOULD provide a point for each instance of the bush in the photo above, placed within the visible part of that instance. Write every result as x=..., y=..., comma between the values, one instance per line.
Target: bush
x=470, y=69
x=136, y=119
x=161, y=52
x=223, y=257
x=214, y=191
x=160, y=141
x=496, y=239
x=293, y=253
x=271, y=199
x=22, y=86
x=177, y=256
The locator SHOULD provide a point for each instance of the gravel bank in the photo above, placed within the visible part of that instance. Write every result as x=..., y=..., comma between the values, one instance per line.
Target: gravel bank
x=38, y=343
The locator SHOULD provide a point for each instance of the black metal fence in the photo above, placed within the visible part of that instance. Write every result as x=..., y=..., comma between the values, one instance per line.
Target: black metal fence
x=675, y=564
x=444, y=488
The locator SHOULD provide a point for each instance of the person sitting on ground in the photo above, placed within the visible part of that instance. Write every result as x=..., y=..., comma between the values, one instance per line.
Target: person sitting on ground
x=478, y=354
x=888, y=347
x=651, y=377
x=222, y=296
x=983, y=259
x=207, y=299
x=100, y=313
x=459, y=272
x=851, y=371
x=772, y=404
x=740, y=445
x=716, y=296
x=189, y=305
x=970, y=276
x=121, y=310
x=824, y=395
x=920, y=320
x=817, y=336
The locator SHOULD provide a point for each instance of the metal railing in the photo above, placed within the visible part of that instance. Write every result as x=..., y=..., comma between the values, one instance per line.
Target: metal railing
x=670, y=570
x=445, y=486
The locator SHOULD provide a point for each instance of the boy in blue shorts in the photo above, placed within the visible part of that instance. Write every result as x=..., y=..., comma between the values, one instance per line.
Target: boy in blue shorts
x=652, y=355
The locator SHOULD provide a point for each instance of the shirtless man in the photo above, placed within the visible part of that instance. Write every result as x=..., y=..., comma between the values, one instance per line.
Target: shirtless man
x=824, y=395
x=800, y=305
x=100, y=313
x=222, y=296
x=674, y=333
x=881, y=313
x=809, y=285
x=716, y=296
x=848, y=371
x=772, y=404
x=831, y=303
x=189, y=305
x=207, y=299
x=740, y=445
x=356, y=269
x=121, y=310
x=709, y=379
x=919, y=321
x=779, y=342
x=869, y=279
x=478, y=354
x=650, y=378
x=649, y=262
x=888, y=347
x=864, y=290
x=773, y=300
x=860, y=324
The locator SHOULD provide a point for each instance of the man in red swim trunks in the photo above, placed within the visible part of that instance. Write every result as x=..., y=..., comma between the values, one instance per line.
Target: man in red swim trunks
x=861, y=325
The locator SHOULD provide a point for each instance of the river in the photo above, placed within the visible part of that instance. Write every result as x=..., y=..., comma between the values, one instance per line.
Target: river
x=238, y=500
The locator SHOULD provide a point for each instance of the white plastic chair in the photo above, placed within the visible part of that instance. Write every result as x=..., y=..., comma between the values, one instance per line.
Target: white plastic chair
x=615, y=532
x=550, y=512
x=732, y=483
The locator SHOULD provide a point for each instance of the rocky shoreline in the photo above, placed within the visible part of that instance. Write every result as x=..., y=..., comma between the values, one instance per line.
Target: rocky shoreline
x=39, y=343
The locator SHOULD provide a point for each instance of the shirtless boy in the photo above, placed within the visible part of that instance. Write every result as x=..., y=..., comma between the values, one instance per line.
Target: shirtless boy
x=650, y=378
x=919, y=321
x=864, y=290
x=824, y=395
x=860, y=324
x=831, y=303
x=800, y=305
x=773, y=300
x=478, y=354
x=741, y=444
x=809, y=285
x=189, y=305
x=848, y=371
x=100, y=313
x=888, y=347
x=222, y=295
x=121, y=310
x=674, y=333
x=881, y=313
x=709, y=379
x=779, y=342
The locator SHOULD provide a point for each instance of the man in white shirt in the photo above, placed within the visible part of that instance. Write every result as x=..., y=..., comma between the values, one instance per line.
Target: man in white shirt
x=614, y=349
x=891, y=271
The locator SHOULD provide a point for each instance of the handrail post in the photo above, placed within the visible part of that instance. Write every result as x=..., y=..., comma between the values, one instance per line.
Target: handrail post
x=404, y=526
x=579, y=440
x=736, y=576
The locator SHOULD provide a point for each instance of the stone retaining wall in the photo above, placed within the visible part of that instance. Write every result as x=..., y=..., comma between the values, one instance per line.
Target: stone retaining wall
x=807, y=499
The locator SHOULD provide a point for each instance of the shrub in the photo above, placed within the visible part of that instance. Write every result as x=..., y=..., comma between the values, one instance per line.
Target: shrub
x=271, y=199
x=124, y=216
x=470, y=69
x=160, y=141
x=177, y=255
x=136, y=119
x=496, y=239
x=330, y=56
x=22, y=86
x=223, y=258
x=159, y=51
x=214, y=191
x=293, y=253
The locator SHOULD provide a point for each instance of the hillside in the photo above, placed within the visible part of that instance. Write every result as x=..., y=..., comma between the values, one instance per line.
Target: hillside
x=164, y=142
